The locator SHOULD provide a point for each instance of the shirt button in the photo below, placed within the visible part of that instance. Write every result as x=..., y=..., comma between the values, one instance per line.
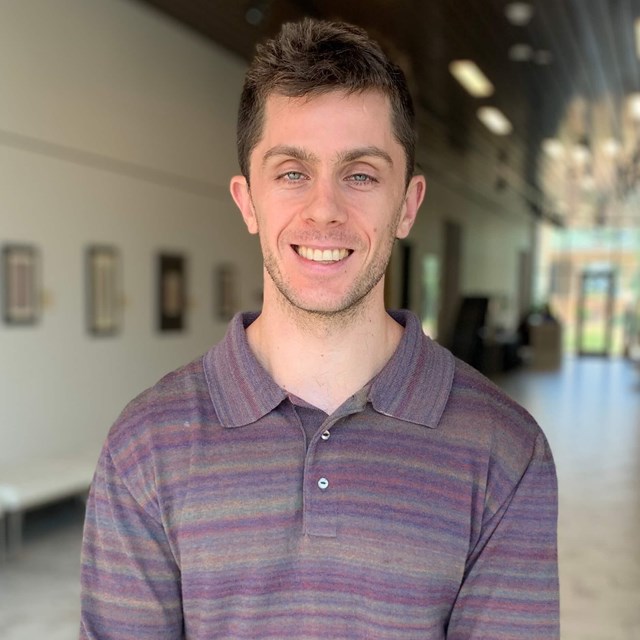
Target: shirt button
x=325, y=435
x=323, y=483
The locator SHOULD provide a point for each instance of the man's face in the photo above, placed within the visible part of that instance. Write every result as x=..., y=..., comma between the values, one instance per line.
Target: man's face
x=327, y=198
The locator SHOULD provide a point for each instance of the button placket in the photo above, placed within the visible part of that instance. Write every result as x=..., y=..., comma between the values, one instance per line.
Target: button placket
x=320, y=509
x=323, y=483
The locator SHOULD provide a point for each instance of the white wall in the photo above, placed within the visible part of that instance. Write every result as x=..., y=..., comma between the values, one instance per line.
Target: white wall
x=496, y=224
x=116, y=127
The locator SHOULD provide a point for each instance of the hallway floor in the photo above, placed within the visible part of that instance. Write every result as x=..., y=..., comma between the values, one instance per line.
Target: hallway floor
x=590, y=411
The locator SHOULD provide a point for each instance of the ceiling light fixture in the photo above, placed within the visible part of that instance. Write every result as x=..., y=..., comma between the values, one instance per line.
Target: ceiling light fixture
x=611, y=147
x=553, y=147
x=495, y=121
x=519, y=14
x=256, y=12
x=469, y=75
x=520, y=52
x=581, y=154
x=602, y=175
x=254, y=16
x=634, y=106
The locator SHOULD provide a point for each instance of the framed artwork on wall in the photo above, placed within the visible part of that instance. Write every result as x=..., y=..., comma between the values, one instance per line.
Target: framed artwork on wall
x=103, y=291
x=226, y=295
x=171, y=293
x=20, y=274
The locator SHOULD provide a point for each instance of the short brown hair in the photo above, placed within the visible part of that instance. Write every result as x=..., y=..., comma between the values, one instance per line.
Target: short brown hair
x=313, y=57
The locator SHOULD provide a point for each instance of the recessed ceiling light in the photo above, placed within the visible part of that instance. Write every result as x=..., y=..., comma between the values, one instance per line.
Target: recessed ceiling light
x=581, y=154
x=254, y=16
x=520, y=52
x=519, y=13
x=634, y=106
x=611, y=147
x=553, y=147
x=469, y=75
x=495, y=121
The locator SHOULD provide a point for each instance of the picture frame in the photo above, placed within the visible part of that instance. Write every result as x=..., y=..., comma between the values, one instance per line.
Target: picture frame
x=226, y=291
x=21, y=299
x=104, y=315
x=171, y=292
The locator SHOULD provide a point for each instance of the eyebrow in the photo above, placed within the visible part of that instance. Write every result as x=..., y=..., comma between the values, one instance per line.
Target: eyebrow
x=364, y=152
x=297, y=153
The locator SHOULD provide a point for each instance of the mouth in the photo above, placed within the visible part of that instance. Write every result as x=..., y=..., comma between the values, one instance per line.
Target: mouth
x=322, y=255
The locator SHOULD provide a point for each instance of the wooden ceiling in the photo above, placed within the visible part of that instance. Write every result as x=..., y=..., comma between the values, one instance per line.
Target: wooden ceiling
x=581, y=50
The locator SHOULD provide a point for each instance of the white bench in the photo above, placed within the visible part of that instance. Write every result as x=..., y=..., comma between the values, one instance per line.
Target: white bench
x=36, y=483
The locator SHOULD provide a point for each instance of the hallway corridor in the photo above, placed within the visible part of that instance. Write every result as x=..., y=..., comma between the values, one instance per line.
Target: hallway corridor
x=590, y=411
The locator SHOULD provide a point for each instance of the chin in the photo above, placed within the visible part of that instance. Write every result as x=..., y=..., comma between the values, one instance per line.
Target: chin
x=342, y=307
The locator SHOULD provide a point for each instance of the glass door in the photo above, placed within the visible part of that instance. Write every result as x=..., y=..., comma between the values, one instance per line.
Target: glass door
x=595, y=313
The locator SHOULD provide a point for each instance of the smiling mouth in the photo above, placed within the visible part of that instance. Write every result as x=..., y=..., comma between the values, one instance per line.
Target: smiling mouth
x=322, y=255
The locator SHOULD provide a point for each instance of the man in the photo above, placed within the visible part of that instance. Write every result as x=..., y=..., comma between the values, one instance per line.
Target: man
x=326, y=471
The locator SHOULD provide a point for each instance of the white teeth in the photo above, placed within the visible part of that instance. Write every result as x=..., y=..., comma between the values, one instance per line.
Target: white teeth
x=322, y=255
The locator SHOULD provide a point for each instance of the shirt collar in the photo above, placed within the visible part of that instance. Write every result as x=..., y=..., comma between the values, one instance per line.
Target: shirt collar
x=416, y=382
x=241, y=390
x=413, y=386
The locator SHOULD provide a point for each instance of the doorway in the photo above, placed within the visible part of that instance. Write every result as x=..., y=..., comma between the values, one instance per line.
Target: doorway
x=595, y=313
x=450, y=281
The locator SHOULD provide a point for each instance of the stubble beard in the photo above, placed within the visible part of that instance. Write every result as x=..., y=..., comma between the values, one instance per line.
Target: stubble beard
x=352, y=304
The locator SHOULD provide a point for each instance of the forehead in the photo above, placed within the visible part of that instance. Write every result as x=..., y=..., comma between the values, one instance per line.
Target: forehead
x=331, y=118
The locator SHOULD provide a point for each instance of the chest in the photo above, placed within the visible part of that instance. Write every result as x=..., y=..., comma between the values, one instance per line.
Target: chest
x=377, y=514
x=356, y=479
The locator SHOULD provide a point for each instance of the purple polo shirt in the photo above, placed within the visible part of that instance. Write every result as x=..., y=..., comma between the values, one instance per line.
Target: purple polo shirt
x=424, y=507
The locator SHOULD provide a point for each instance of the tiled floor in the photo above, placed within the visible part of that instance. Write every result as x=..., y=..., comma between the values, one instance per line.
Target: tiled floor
x=590, y=411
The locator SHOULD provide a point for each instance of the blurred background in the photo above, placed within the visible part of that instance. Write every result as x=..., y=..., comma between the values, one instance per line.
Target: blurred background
x=122, y=256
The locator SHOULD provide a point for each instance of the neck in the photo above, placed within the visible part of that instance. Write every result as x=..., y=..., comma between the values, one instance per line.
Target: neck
x=324, y=358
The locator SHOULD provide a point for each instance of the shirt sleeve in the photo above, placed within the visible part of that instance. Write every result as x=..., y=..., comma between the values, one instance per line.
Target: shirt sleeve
x=130, y=580
x=510, y=586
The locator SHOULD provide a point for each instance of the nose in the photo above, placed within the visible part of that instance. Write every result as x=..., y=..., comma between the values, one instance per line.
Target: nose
x=325, y=206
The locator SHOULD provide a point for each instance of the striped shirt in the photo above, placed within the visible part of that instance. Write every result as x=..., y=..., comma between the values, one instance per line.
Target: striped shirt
x=423, y=507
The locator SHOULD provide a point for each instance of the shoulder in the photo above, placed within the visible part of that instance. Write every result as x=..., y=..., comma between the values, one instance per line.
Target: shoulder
x=156, y=427
x=149, y=447
x=482, y=414
x=175, y=395
x=475, y=394
x=501, y=441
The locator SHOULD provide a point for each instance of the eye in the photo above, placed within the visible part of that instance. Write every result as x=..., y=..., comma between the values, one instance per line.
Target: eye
x=361, y=179
x=291, y=176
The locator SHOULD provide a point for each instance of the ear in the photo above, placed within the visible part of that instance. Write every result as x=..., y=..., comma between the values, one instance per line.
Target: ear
x=412, y=201
x=242, y=197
